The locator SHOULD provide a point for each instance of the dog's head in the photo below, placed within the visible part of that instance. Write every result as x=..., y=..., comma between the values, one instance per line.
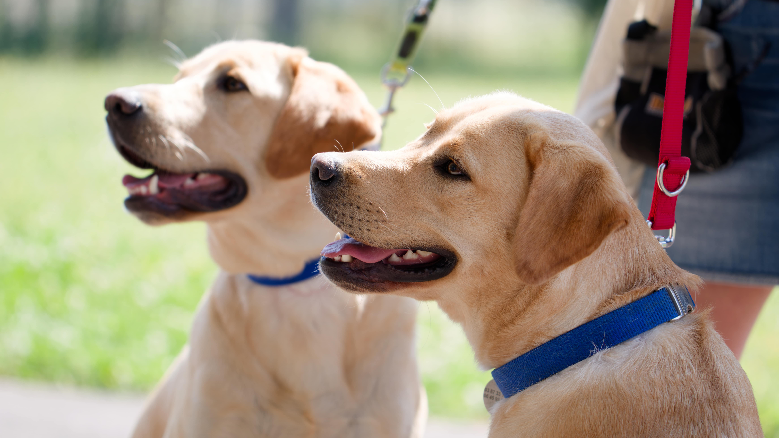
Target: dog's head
x=496, y=185
x=241, y=120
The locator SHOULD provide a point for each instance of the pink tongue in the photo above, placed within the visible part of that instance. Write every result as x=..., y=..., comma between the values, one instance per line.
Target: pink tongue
x=358, y=250
x=130, y=181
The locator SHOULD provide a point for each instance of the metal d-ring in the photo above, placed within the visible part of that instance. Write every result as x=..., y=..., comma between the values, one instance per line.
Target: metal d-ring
x=660, y=184
x=665, y=242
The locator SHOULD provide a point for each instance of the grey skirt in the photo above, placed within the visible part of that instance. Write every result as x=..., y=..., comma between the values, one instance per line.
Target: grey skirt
x=728, y=221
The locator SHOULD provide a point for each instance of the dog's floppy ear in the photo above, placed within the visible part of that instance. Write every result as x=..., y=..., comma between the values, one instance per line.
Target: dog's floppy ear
x=573, y=204
x=325, y=108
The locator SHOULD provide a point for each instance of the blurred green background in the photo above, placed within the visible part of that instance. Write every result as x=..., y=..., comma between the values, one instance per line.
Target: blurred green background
x=90, y=296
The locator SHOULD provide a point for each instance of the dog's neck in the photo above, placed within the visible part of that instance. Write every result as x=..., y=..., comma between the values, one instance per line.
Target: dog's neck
x=273, y=237
x=275, y=231
x=504, y=321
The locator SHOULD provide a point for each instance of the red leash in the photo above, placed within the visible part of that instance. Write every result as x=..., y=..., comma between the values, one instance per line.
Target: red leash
x=673, y=169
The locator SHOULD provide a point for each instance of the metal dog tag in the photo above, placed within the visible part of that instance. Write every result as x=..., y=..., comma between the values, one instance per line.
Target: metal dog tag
x=492, y=395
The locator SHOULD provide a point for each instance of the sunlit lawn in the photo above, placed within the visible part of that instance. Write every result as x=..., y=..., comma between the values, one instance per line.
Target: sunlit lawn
x=90, y=296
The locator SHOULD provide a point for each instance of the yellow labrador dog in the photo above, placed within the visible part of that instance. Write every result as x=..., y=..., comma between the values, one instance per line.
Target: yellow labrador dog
x=282, y=353
x=512, y=217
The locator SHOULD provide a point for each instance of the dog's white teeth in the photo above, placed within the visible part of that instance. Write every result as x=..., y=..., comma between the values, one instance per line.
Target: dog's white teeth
x=153, y=187
x=410, y=255
x=337, y=258
x=202, y=175
x=138, y=190
x=337, y=236
x=189, y=182
x=346, y=258
x=395, y=258
x=423, y=253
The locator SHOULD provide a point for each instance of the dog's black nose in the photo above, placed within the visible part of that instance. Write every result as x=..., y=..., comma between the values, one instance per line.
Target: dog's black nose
x=123, y=103
x=324, y=172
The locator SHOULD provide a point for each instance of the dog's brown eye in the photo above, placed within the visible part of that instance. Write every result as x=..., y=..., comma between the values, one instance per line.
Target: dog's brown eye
x=449, y=168
x=453, y=168
x=231, y=84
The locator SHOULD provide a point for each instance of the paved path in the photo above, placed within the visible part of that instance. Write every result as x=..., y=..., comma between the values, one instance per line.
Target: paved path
x=30, y=410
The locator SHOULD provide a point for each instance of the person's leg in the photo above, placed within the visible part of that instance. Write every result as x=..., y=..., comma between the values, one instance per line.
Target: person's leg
x=735, y=308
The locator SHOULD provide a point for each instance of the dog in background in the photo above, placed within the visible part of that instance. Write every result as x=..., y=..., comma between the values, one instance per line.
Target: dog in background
x=511, y=216
x=230, y=143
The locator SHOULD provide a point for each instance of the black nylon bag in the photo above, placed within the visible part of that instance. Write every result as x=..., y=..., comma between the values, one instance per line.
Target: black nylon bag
x=713, y=124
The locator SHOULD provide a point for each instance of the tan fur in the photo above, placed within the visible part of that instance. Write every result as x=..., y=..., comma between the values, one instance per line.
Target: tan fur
x=546, y=244
x=325, y=107
x=306, y=360
x=546, y=238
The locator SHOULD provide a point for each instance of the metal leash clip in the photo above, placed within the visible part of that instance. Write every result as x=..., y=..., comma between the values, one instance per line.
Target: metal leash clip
x=393, y=85
x=396, y=73
x=665, y=241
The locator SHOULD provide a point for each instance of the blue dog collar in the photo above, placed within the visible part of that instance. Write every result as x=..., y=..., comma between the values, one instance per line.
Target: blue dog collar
x=311, y=270
x=606, y=331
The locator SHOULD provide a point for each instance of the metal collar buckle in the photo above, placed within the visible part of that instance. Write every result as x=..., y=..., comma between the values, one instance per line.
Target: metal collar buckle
x=682, y=300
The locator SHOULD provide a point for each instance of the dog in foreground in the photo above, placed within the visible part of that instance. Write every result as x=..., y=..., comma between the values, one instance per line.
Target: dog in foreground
x=282, y=353
x=511, y=216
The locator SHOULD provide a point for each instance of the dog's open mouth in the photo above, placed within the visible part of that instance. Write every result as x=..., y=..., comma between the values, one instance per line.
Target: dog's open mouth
x=349, y=262
x=175, y=195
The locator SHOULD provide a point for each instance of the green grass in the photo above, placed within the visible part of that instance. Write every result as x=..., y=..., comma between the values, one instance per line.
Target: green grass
x=90, y=296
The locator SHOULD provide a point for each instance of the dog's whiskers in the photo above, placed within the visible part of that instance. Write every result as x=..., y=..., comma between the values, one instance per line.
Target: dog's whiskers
x=189, y=144
x=431, y=108
x=339, y=144
x=431, y=87
x=177, y=51
x=172, y=62
x=178, y=153
x=166, y=143
x=387, y=224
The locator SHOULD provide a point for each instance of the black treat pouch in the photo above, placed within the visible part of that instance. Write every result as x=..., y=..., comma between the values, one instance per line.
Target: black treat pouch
x=713, y=124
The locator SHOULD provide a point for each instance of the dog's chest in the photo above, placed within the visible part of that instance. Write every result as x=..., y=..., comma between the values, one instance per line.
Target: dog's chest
x=302, y=362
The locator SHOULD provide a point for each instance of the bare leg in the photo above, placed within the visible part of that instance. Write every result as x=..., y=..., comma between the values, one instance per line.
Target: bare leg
x=735, y=308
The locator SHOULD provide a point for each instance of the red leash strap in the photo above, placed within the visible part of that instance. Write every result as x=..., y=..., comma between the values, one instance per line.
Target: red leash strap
x=673, y=168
